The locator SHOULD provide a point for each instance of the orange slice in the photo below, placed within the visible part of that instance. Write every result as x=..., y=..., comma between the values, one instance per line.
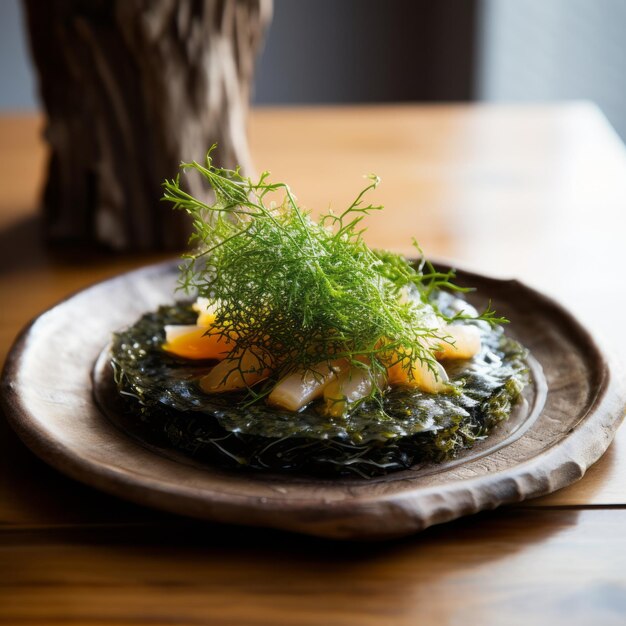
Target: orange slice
x=192, y=342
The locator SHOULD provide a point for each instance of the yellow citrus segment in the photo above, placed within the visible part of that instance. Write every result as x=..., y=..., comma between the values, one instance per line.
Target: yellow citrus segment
x=430, y=377
x=205, y=310
x=461, y=342
x=192, y=342
x=419, y=375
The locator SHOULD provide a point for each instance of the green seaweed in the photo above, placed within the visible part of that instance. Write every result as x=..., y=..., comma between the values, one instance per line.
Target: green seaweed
x=398, y=430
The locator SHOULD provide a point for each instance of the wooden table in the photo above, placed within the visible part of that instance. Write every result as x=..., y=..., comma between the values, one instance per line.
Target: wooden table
x=537, y=193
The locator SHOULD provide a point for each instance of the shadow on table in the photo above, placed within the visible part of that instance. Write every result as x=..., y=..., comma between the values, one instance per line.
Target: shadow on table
x=22, y=247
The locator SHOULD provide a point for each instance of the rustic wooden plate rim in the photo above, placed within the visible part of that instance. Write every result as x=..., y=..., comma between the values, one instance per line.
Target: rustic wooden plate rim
x=558, y=465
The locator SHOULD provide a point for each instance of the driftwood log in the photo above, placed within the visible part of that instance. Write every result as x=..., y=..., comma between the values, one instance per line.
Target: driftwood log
x=131, y=89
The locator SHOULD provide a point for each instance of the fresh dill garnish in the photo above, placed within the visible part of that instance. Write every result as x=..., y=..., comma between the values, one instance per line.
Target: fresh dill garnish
x=296, y=292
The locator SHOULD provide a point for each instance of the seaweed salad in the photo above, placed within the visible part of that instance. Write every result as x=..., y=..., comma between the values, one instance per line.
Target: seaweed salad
x=298, y=348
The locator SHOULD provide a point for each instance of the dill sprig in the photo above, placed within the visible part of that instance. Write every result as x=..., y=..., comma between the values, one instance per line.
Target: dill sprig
x=295, y=292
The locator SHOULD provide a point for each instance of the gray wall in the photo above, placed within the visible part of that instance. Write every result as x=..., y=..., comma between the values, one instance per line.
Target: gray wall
x=324, y=51
x=17, y=89
x=555, y=50
x=329, y=51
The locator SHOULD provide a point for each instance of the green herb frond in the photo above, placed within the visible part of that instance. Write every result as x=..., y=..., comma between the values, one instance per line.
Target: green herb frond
x=296, y=292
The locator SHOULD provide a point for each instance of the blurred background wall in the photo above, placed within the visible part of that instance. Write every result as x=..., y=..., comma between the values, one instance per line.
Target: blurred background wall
x=341, y=51
x=542, y=50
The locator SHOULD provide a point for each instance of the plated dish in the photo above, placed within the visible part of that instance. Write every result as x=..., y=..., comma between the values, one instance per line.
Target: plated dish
x=573, y=405
x=303, y=350
x=60, y=393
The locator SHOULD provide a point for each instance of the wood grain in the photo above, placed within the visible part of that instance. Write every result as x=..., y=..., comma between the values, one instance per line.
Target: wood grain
x=513, y=567
x=131, y=89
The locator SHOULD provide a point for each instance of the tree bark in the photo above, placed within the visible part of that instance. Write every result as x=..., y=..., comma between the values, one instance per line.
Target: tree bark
x=131, y=89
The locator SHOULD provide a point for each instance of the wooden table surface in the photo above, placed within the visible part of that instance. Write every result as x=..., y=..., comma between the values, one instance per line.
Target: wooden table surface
x=533, y=192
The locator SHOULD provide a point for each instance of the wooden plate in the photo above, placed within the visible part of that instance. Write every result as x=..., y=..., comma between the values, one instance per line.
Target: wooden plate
x=569, y=417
